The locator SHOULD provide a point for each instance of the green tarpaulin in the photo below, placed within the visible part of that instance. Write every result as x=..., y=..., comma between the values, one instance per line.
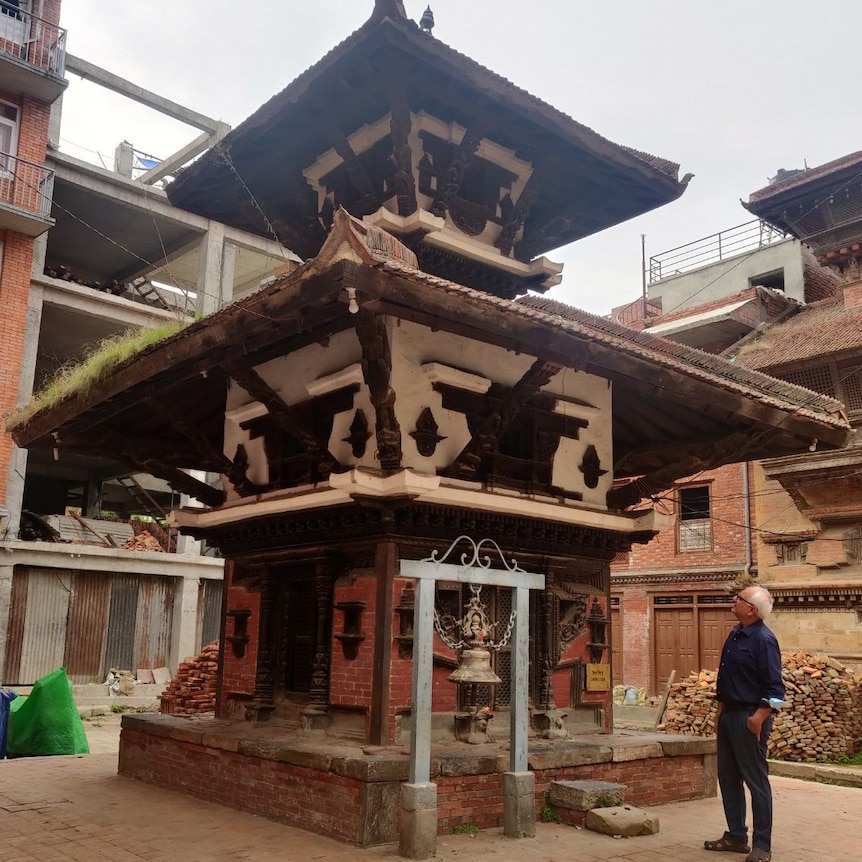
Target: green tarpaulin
x=47, y=720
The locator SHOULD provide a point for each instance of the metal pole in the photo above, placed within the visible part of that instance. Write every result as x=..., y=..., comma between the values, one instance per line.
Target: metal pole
x=423, y=656
x=643, y=277
x=519, y=718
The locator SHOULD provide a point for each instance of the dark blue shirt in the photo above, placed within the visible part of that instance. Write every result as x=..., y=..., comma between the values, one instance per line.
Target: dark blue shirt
x=750, y=670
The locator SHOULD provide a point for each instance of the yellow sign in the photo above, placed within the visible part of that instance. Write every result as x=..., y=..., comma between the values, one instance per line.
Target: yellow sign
x=598, y=677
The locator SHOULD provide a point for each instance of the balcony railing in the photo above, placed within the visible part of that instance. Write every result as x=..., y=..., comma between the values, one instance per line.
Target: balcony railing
x=712, y=249
x=32, y=40
x=26, y=186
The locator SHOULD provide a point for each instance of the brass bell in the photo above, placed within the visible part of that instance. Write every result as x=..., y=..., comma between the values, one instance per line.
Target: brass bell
x=474, y=668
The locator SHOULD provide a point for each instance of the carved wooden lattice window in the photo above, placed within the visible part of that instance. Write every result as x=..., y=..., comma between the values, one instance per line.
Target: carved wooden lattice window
x=845, y=206
x=853, y=545
x=851, y=380
x=694, y=524
x=817, y=379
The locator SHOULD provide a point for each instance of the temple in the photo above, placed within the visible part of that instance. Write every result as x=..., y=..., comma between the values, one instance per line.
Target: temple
x=391, y=395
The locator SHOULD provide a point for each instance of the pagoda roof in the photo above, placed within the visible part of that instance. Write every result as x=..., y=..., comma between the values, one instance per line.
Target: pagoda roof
x=593, y=182
x=674, y=407
x=788, y=204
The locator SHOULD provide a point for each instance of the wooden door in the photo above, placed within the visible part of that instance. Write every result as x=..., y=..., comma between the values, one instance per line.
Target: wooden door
x=299, y=619
x=715, y=624
x=675, y=644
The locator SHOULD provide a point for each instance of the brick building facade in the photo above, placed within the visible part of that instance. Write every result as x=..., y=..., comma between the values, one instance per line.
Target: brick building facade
x=793, y=524
x=31, y=80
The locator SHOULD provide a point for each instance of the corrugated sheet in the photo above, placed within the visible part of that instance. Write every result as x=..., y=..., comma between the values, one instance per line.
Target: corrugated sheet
x=15, y=631
x=122, y=615
x=44, y=643
x=209, y=610
x=72, y=530
x=153, y=624
x=87, y=626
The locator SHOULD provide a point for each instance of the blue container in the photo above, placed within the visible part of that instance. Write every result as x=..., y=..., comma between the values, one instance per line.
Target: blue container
x=6, y=697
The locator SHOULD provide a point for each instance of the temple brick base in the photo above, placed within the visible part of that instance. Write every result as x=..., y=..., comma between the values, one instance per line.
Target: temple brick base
x=336, y=788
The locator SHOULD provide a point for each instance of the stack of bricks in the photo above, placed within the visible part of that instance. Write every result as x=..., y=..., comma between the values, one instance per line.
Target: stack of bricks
x=193, y=690
x=821, y=722
x=144, y=541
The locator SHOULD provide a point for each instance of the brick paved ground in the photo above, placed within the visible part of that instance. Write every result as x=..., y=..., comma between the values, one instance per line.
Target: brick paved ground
x=77, y=808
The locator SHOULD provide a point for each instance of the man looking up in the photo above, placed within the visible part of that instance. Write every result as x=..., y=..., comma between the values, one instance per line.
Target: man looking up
x=749, y=686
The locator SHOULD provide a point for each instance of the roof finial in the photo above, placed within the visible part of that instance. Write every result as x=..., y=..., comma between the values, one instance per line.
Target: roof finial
x=426, y=22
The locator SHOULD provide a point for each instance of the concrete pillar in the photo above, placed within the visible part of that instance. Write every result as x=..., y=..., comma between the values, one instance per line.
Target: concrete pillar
x=228, y=271
x=417, y=826
x=40, y=253
x=519, y=804
x=186, y=544
x=54, y=122
x=216, y=263
x=5, y=609
x=185, y=623
x=92, y=498
x=26, y=380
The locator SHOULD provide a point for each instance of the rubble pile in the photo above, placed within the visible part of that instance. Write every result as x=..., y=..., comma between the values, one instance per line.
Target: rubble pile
x=193, y=689
x=65, y=274
x=821, y=722
x=143, y=541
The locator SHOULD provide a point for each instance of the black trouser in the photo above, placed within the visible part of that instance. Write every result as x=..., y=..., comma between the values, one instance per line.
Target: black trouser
x=742, y=761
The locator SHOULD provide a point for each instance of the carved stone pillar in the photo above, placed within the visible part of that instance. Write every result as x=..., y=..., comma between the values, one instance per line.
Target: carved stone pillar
x=316, y=715
x=264, y=690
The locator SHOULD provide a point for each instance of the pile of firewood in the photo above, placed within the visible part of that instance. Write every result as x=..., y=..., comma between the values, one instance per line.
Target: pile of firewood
x=144, y=541
x=822, y=721
x=193, y=689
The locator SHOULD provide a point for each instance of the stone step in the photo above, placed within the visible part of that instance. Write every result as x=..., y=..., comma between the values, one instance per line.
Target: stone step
x=571, y=800
x=97, y=700
x=623, y=821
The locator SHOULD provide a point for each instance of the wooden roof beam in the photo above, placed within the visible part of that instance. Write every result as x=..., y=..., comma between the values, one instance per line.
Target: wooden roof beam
x=284, y=416
x=627, y=370
x=448, y=187
x=377, y=371
x=732, y=448
x=494, y=426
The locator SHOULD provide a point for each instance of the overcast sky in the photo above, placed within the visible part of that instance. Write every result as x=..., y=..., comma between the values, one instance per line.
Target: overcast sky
x=731, y=90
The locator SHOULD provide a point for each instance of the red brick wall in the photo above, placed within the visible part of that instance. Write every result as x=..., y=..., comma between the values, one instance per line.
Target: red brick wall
x=728, y=550
x=51, y=11
x=15, y=277
x=478, y=799
x=350, y=680
x=238, y=674
x=728, y=530
x=331, y=804
x=316, y=801
x=14, y=292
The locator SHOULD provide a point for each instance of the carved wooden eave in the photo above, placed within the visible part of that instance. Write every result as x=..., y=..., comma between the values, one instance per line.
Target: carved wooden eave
x=826, y=486
x=365, y=280
x=389, y=68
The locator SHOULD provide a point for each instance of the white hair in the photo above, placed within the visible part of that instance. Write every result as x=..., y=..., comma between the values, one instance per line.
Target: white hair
x=762, y=601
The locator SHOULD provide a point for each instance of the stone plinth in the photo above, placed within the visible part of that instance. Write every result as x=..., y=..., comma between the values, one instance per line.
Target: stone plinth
x=271, y=770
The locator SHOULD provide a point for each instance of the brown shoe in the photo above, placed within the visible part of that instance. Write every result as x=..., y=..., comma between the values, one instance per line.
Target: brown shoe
x=724, y=843
x=758, y=854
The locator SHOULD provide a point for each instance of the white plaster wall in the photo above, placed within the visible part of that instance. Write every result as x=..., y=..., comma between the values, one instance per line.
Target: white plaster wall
x=730, y=276
x=289, y=376
x=416, y=346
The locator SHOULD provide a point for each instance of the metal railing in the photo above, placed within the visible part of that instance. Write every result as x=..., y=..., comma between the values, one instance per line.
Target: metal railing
x=712, y=249
x=33, y=40
x=26, y=185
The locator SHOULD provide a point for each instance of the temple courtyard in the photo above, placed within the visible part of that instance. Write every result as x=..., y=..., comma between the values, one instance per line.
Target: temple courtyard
x=78, y=808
